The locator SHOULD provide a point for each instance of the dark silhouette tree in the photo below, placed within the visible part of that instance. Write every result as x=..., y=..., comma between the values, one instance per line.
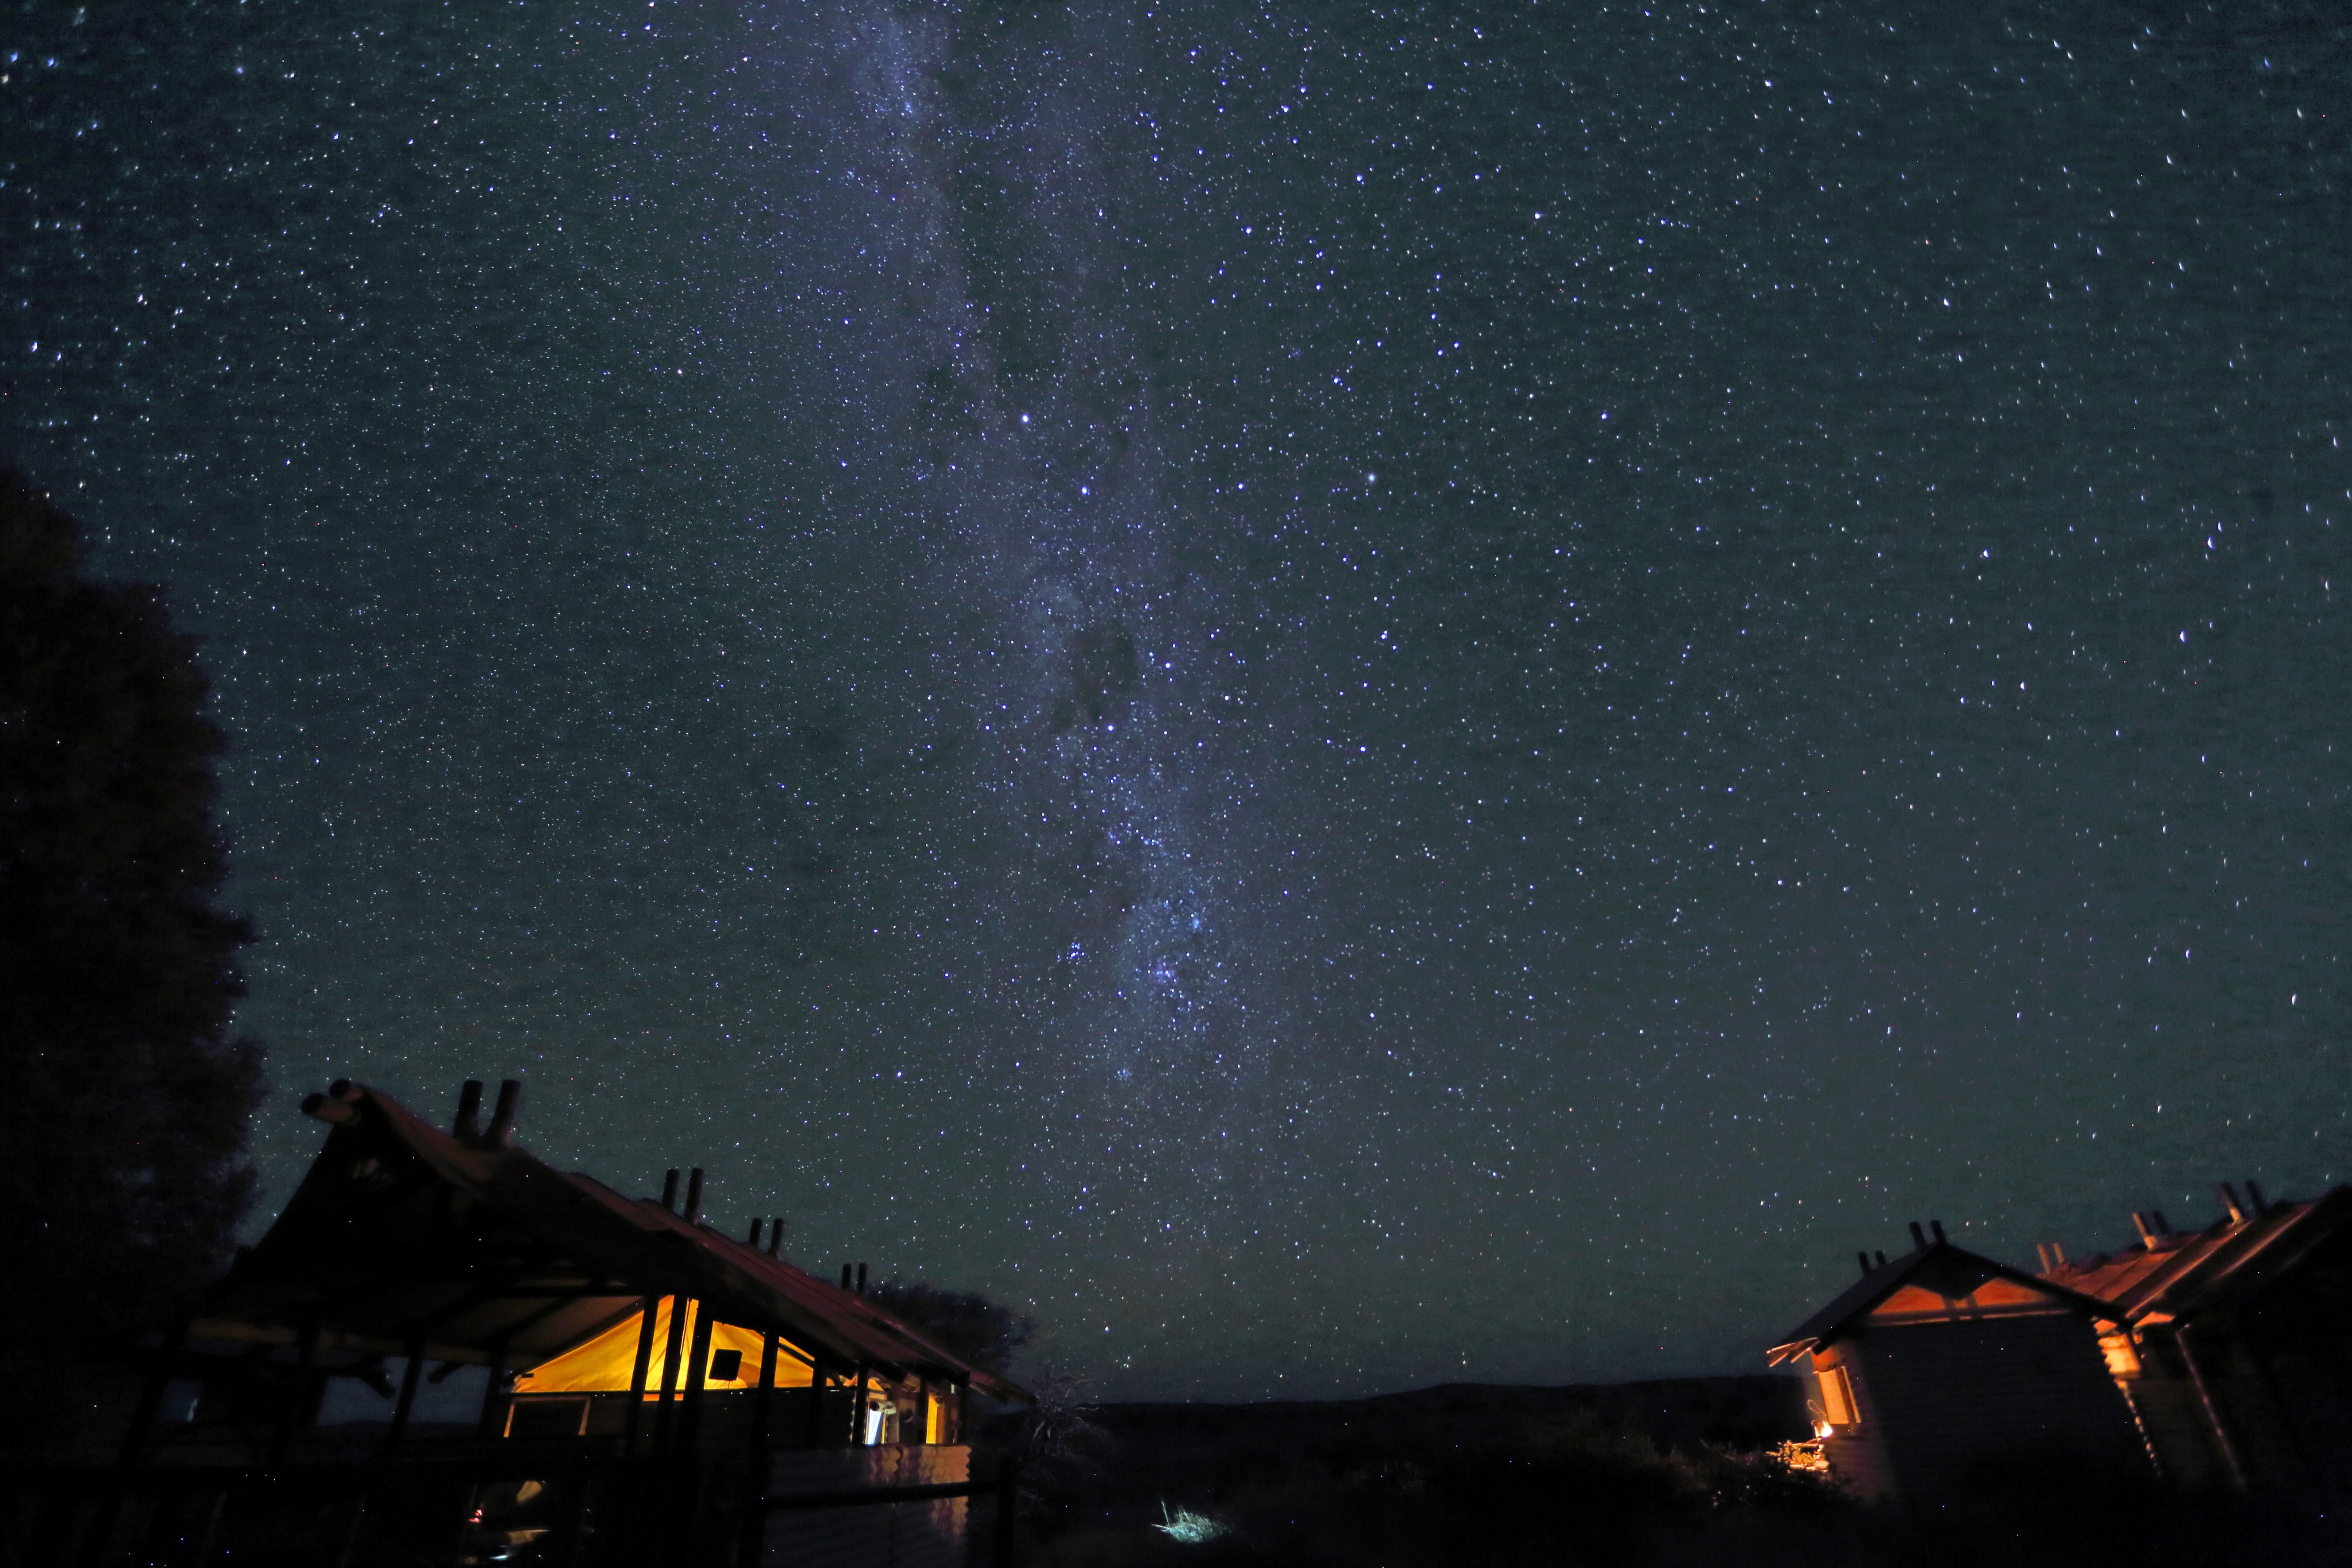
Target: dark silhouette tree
x=979, y=1330
x=124, y=1101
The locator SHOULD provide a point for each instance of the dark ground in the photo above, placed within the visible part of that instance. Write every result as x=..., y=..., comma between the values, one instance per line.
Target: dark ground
x=1674, y=1472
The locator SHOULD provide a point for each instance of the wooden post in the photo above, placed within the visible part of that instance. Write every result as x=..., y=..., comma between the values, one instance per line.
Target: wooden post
x=819, y=1365
x=306, y=1360
x=2228, y=1450
x=345, y=1530
x=752, y=1544
x=407, y=1400
x=150, y=1397
x=1008, y=1494
x=697, y=1367
x=685, y=1477
x=488, y=1425
x=635, y=1420
x=672, y=1351
x=858, y=1406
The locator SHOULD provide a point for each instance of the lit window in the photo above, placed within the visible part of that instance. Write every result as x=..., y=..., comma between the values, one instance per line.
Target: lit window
x=1837, y=1398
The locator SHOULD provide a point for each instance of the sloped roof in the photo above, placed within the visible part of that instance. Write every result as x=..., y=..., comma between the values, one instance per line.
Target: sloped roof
x=2229, y=1264
x=1938, y=1268
x=401, y=1235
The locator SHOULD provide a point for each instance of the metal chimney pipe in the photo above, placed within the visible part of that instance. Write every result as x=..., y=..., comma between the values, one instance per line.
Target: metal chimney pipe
x=844, y=1275
x=2254, y=1191
x=2163, y=1225
x=1918, y=1238
x=775, y=1235
x=329, y=1109
x=470, y=1109
x=669, y=1189
x=1937, y=1227
x=501, y=1129
x=2232, y=1202
x=2147, y=1236
x=694, y=1196
x=752, y=1240
x=861, y=1280
x=1882, y=1259
x=1862, y=1258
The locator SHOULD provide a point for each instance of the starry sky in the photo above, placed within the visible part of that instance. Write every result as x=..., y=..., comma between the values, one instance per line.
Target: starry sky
x=1342, y=695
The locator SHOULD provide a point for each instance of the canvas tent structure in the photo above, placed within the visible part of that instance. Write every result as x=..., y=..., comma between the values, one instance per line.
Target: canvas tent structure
x=1940, y=1369
x=656, y=1391
x=2232, y=1342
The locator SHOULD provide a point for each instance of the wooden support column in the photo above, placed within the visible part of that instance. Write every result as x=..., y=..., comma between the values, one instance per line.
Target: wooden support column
x=306, y=1362
x=858, y=1406
x=673, y=1353
x=820, y=1369
x=687, y=1536
x=488, y=1425
x=697, y=1368
x=1008, y=1496
x=752, y=1538
x=634, y=1421
x=407, y=1402
x=150, y=1397
x=2228, y=1450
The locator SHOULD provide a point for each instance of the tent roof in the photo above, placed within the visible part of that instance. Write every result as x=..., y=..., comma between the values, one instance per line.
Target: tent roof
x=1938, y=1266
x=2227, y=1264
x=404, y=1236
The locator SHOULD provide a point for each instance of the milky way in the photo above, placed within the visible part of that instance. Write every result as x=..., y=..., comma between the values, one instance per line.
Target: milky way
x=1344, y=697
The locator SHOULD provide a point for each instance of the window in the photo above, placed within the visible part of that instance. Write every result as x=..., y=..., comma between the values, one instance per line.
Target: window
x=1838, y=1407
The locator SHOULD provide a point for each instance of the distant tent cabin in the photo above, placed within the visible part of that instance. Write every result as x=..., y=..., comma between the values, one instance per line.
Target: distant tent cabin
x=2231, y=1344
x=1941, y=1368
x=670, y=1385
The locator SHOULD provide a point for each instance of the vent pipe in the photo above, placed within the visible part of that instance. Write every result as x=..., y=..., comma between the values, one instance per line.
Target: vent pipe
x=669, y=1190
x=2230, y=1201
x=861, y=1280
x=502, y=1130
x=470, y=1109
x=775, y=1236
x=2254, y=1191
x=752, y=1240
x=1862, y=1258
x=694, y=1196
x=1882, y=1259
x=1918, y=1238
x=328, y=1109
x=844, y=1275
x=1937, y=1227
x=2148, y=1236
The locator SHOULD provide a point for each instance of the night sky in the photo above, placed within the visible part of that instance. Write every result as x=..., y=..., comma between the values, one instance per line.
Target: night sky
x=1344, y=697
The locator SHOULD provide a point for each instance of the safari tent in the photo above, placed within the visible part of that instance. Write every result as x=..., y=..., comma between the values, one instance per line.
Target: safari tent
x=2231, y=1342
x=650, y=1386
x=1939, y=1369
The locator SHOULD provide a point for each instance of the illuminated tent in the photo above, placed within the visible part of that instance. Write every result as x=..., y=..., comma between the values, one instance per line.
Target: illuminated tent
x=2229, y=1343
x=406, y=1241
x=1941, y=1366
